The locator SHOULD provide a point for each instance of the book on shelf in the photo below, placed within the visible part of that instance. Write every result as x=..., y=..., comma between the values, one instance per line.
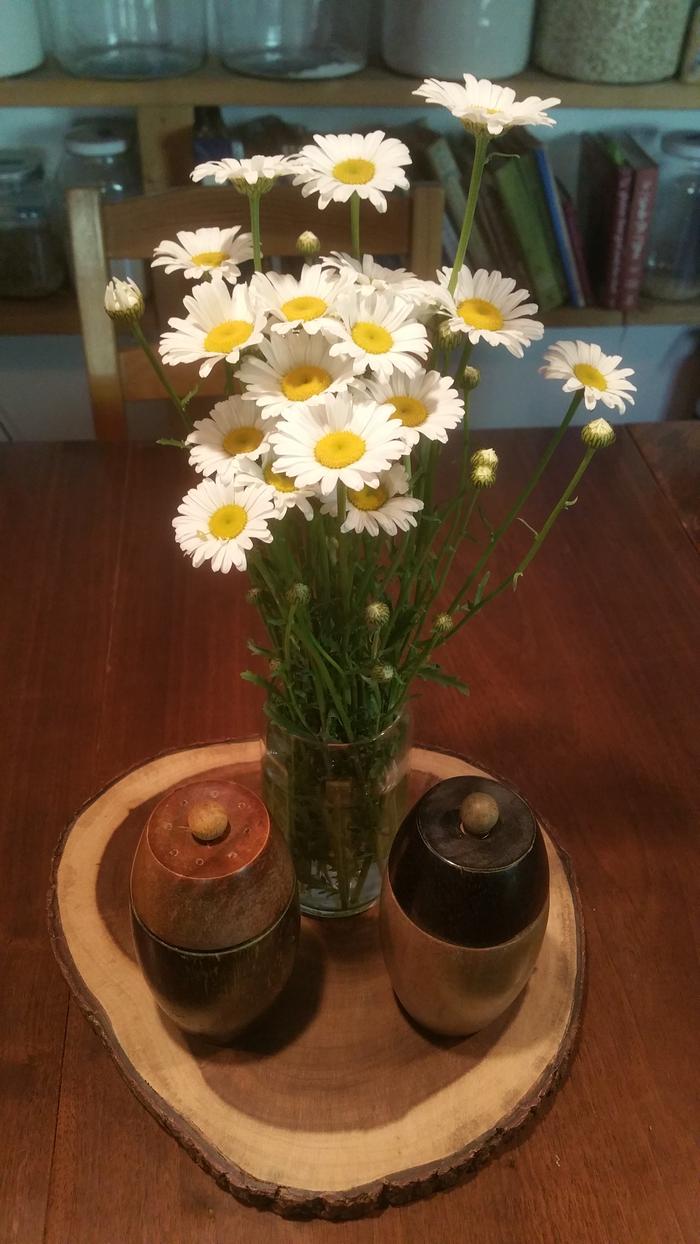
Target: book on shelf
x=454, y=180
x=560, y=227
x=639, y=216
x=524, y=205
x=573, y=229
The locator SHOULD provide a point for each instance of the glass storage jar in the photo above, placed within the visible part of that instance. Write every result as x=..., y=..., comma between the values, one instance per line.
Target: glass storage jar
x=102, y=155
x=673, y=264
x=293, y=38
x=610, y=40
x=128, y=38
x=489, y=38
x=31, y=257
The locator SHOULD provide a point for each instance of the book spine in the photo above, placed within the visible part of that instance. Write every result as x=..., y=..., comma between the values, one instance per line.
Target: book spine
x=576, y=240
x=616, y=239
x=522, y=212
x=559, y=229
x=637, y=236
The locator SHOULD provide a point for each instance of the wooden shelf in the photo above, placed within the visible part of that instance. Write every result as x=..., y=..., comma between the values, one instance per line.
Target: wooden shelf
x=373, y=87
x=59, y=315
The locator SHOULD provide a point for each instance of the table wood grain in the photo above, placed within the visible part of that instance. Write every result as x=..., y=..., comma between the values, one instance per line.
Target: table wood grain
x=585, y=690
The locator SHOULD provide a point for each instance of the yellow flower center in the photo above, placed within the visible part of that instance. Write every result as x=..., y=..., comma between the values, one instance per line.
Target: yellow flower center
x=228, y=522
x=409, y=410
x=241, y=440
x=339, y=449
x=305, y=381
x=480, y=313
x=372, y=337
x=305, y=307
x=354, y=172
x=209, y=259
x=590, y=376
x=278, y=480
x=226, y=336
x=368, y=498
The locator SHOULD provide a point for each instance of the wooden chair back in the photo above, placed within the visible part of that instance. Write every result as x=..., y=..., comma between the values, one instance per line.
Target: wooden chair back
x=100, y=232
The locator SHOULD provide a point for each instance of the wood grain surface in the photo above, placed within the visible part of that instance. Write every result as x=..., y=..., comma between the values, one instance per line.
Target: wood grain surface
x=584, y=691
x=411, y=1111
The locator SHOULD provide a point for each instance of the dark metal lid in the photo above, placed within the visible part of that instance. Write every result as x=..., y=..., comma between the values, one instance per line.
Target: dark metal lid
x=471, y=888
x=210, y=871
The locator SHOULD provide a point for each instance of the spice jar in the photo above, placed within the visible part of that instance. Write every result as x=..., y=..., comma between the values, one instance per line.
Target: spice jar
x=214, y=908
x=673, y=264
x=610, y=40
x=464, y=904
x=31, y=257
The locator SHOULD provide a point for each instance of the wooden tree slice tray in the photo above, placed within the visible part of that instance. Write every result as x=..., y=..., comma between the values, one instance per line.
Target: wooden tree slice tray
x=337, y=1104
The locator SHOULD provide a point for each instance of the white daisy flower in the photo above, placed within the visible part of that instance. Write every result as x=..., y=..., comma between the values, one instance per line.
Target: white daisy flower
x=426, y=405
x=343, y=441
x=220, y=323
x=218, y=522
x=232, y=434
x=384, y=508
x=582, y=365
x=204, y=251
x=294, y=372
x=257, y=173
x=483, y=105
x=298, y=302
x=487, y=305
x=285, y=495
x=336, y=166
x=381, y=333
x=369, y=277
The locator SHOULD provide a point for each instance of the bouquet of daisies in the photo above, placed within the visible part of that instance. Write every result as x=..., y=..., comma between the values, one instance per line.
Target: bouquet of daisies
x=340, y=388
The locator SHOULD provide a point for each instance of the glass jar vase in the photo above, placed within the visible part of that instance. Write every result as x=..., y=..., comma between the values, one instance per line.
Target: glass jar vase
x=673, y=263
x=128, y=38
x=339, y=806
x=293, y=38
x=31, y=257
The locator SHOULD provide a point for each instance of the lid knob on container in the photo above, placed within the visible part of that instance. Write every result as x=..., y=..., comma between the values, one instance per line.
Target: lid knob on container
x=208, y=820
x=478, y=813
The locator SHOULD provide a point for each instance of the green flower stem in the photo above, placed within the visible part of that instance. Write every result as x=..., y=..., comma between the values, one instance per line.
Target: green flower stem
x=355, y=225
x=536, y=543
x=230, y=377
x=480, y=155
x=160, y=372
x=254, y=203
x=519, y=503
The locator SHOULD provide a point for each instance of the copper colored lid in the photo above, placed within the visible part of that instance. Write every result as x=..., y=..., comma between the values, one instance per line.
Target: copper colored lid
x=210, y=871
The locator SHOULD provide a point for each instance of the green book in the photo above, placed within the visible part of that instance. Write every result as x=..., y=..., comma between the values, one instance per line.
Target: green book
x=451, y=175
x=523, y=202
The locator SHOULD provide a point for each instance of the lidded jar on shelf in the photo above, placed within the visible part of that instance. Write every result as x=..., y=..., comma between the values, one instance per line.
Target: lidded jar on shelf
x=610, y=40
x=32, y=263
x=489, y=38
x=128, y=38
x=464, y=904
x=293, y=38
x=214, y=908
x=673, y=263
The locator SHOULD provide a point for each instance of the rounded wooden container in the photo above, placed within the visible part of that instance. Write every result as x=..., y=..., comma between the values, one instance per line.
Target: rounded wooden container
x=464, y=904
x=214, y=908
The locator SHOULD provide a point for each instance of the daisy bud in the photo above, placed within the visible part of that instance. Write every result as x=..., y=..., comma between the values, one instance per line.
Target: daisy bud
x=448, y=339
x=383, y=673
x=123, y=300
x=377, y=614
x=597, y=434
x=443, y=624
x=308, y=244
x=253, y=595
x=484, y=463
x=298, y=594
x=471, y=377
x=274, y=665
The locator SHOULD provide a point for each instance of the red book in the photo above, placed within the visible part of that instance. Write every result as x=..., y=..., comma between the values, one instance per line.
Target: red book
x=641, y=207
x=605, y=187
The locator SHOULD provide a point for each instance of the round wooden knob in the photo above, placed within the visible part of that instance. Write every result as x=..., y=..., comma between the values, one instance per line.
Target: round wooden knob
x=207, y=820
x=478, y=814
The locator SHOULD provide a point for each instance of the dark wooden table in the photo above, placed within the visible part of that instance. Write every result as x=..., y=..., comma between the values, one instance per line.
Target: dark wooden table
x=584, y=692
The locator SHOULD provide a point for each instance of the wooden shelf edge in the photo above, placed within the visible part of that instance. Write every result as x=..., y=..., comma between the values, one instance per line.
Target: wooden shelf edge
x=372, y=87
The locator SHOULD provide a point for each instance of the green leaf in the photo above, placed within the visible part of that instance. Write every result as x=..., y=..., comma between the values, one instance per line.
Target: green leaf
x=433, y=673
x=170, y=440
x=185, y=401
